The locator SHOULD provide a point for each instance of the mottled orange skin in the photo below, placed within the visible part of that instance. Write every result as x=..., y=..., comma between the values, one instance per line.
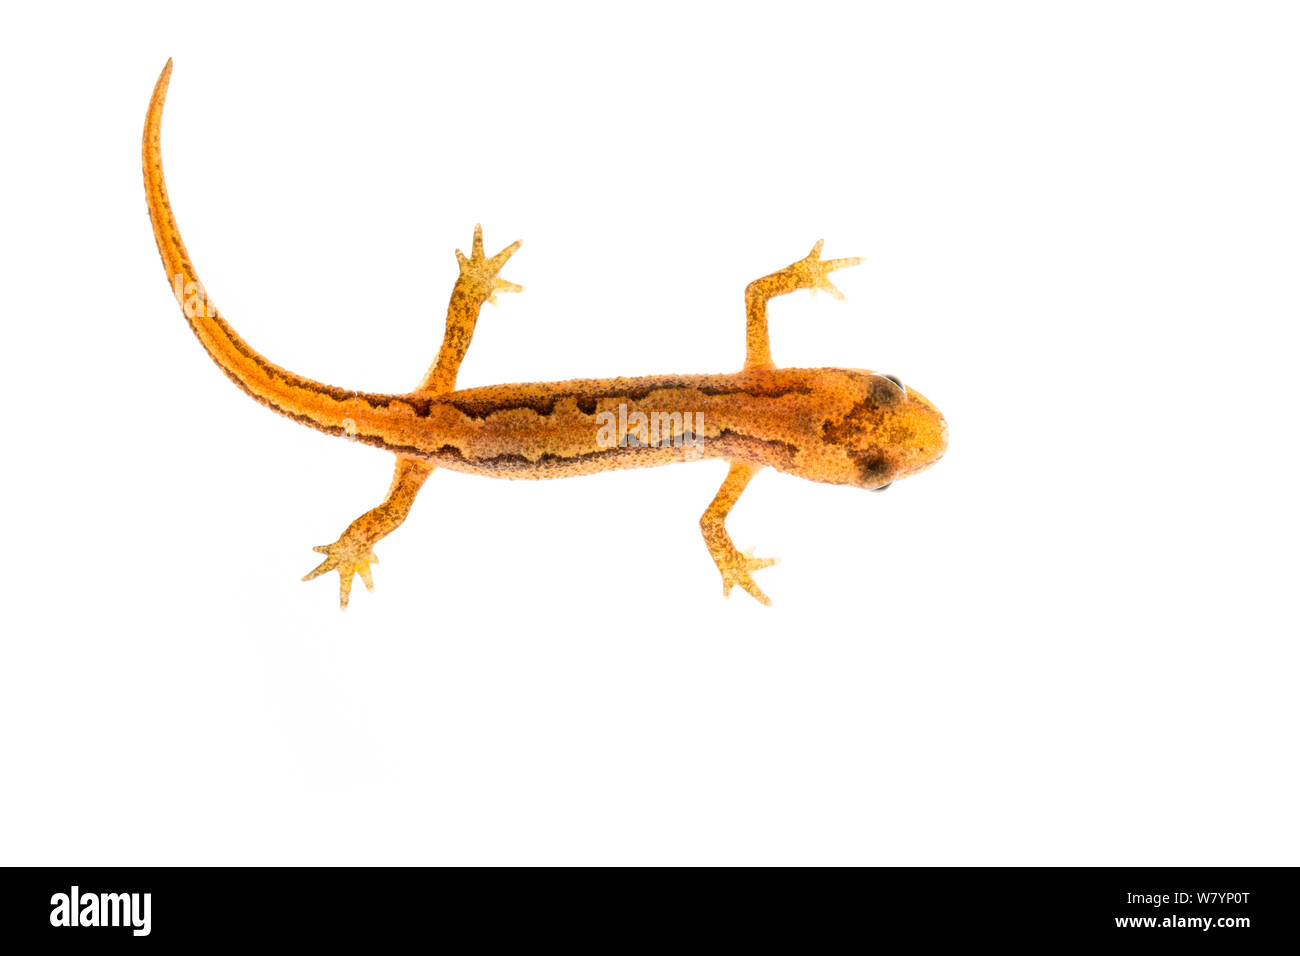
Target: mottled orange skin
x=841, y=426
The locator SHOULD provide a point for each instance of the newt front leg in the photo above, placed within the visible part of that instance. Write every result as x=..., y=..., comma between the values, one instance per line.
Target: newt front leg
x=810, y=272
x=479, y=282
x=733, y=564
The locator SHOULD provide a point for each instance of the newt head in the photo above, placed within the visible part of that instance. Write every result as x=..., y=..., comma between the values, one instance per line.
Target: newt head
x=893, y=432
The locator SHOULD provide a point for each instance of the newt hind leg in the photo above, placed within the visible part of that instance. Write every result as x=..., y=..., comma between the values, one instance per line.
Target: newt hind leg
x=352, y=553
x=734, y=565
x=811, y=272
x=479, y=282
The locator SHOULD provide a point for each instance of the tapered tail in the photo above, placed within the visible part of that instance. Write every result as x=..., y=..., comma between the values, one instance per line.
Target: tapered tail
x=323, y=407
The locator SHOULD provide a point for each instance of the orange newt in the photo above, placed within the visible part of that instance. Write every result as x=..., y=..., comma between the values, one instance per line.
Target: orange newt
x=835, y=425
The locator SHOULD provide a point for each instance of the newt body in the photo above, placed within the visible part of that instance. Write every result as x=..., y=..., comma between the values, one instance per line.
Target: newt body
x=841, y=426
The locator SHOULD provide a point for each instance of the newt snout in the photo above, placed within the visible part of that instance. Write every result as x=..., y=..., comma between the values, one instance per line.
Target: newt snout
x=892, y=432
x=923, y=432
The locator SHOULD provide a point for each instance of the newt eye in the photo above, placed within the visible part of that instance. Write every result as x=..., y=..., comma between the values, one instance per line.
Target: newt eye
x=871, y=468
x=887, y=390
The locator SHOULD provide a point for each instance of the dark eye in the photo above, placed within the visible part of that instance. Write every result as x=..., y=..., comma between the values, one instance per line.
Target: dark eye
x=897, y=381
x=886, y=390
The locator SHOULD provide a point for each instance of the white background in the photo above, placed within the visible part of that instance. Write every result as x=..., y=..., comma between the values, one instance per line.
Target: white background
x=1071, y=642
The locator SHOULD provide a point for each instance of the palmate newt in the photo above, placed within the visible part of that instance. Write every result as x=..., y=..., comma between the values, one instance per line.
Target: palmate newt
x=835, y=425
